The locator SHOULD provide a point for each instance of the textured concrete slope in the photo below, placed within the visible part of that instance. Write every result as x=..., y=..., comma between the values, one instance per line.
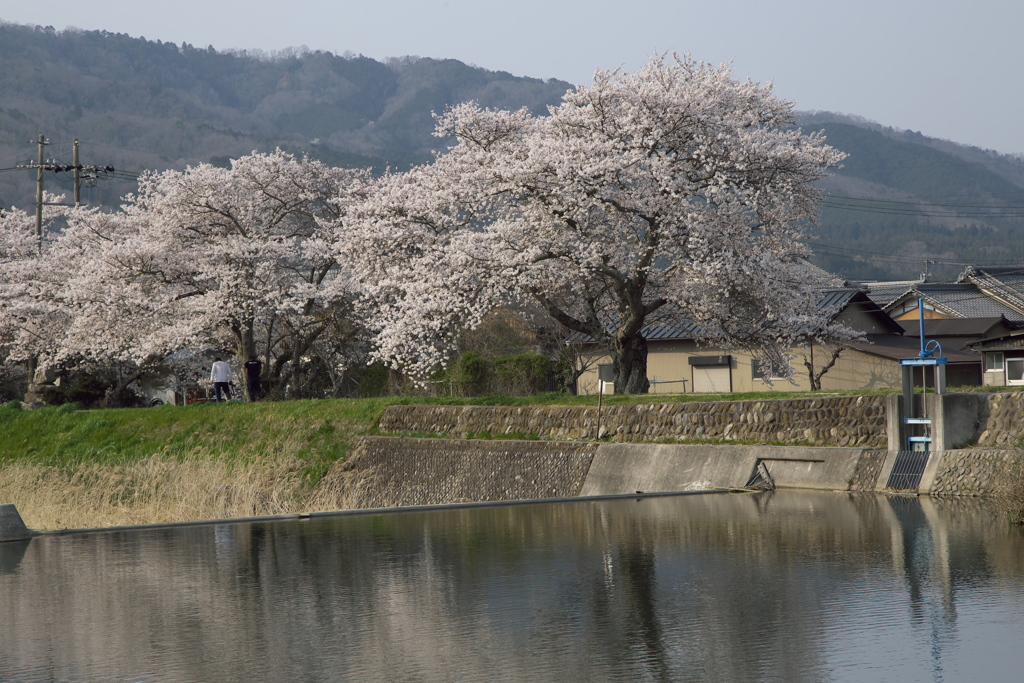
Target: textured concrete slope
x=625, y=468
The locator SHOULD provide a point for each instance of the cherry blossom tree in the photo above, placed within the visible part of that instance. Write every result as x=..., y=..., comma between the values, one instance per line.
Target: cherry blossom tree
x=209, y=255
x=32, y=312
x=676, y=193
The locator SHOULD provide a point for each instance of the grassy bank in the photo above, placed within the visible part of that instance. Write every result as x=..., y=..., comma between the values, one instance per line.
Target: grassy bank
x=317, y=432
x=69, y=468
x=66, y=468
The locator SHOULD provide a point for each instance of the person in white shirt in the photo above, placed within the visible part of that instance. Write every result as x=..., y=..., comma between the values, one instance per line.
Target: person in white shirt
x=220, y=375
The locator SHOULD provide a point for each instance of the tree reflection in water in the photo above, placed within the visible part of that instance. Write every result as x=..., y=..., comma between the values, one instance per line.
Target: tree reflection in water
x=795, y=586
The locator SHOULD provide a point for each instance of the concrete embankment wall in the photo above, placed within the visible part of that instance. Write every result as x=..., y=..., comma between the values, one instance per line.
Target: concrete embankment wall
x=857, y=421
x=848, y=438
x=12, y=528
x=395, y=471
x=626, y=468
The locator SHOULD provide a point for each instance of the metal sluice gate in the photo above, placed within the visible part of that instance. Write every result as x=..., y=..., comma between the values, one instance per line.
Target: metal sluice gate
x=907, y=470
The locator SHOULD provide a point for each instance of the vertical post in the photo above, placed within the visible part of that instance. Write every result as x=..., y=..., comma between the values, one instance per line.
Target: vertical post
x=605, y=375
x=908, y=390
x=78, y=176
x=39, y=194
x=920, y=318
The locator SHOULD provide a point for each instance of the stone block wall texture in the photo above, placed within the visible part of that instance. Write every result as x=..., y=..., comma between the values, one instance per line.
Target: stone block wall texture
x=1002, y=421
x=973, y=472
x=857, y=421
x=390, y=472
x=868, y=470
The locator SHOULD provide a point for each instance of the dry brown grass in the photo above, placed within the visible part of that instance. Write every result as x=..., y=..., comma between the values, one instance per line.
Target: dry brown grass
x=1009, y=497
x=353, y=486
x=157, y=489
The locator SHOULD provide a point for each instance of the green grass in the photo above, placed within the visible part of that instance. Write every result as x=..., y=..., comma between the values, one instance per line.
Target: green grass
x=319, y=432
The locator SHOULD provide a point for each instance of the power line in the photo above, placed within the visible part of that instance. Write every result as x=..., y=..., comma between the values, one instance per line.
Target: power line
x=849, y=251
x=947, y=208
x=925, y=211
x=906, y=202
x=81, y=172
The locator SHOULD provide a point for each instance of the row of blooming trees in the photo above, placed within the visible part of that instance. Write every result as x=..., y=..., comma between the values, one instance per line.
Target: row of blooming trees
x=241, y=257
x=674, y=193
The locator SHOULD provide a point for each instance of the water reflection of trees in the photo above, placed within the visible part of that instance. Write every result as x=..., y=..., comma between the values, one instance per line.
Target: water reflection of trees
x=680, y=588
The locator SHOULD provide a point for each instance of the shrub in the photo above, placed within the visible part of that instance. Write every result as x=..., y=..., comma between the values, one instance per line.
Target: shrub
x=523, y=374
x=468, y=374
x=372, y=380
x=88, y=390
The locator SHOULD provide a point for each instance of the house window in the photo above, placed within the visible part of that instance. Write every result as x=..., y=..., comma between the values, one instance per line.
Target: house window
x=994, y=361
x=1015, y=370
x=759, y=371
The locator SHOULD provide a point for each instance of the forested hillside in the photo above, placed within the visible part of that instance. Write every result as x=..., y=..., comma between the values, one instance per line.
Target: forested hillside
x=901, y=199
x=137, y=104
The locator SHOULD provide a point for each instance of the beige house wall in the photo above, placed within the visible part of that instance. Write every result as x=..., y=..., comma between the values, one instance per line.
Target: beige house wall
x=668, y=362
x=667, y=368
x=858, y=370
x=994, y=378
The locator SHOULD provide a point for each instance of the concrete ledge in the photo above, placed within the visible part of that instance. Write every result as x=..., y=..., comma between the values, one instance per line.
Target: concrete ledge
x=626, y=468
x=12, y=528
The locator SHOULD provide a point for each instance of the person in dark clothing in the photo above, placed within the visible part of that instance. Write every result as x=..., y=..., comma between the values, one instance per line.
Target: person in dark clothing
x=253, y=370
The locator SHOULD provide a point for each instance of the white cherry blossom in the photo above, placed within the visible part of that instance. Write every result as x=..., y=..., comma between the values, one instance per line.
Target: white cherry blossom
x=674, y=194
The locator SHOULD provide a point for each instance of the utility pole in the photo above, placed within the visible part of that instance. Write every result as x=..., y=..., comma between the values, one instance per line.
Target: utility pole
x=924, y=275
x=78, y=176
x=91, y=174
x=39, y=192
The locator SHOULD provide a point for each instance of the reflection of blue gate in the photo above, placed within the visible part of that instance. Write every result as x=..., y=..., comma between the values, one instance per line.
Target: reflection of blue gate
x=907, y=470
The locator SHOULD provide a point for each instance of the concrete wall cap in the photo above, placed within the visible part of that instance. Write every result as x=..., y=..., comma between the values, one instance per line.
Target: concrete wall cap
x=12, y=528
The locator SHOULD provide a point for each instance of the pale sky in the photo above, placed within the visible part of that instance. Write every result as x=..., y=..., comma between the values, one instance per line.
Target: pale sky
x=947, y=69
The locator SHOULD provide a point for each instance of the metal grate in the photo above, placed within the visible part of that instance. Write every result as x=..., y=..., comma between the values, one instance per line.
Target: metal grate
x=907, y=470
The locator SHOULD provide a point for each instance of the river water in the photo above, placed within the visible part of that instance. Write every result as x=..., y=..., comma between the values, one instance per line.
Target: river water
x=784, y=586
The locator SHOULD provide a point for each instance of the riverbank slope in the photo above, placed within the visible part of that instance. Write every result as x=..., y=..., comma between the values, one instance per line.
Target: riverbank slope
x=73, y=469
x=69, y=468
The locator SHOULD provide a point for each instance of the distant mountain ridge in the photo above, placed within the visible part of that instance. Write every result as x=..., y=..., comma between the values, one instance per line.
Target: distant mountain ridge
x=904, y=204
x=901, y=199
x=139, y=104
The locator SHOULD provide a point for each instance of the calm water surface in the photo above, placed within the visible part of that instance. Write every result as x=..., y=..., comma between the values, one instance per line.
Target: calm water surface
x=790, y=586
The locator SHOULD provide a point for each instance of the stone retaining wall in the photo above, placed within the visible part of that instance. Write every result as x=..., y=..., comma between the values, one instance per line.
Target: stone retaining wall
x=868, y=470
x=972, y=471
x=1002, y=421
x=832, y=421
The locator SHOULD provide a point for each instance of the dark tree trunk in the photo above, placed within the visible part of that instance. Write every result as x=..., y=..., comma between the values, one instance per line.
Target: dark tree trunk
x=116, y=395
x=815, y=375
x=629, y=358
x=627, y=346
